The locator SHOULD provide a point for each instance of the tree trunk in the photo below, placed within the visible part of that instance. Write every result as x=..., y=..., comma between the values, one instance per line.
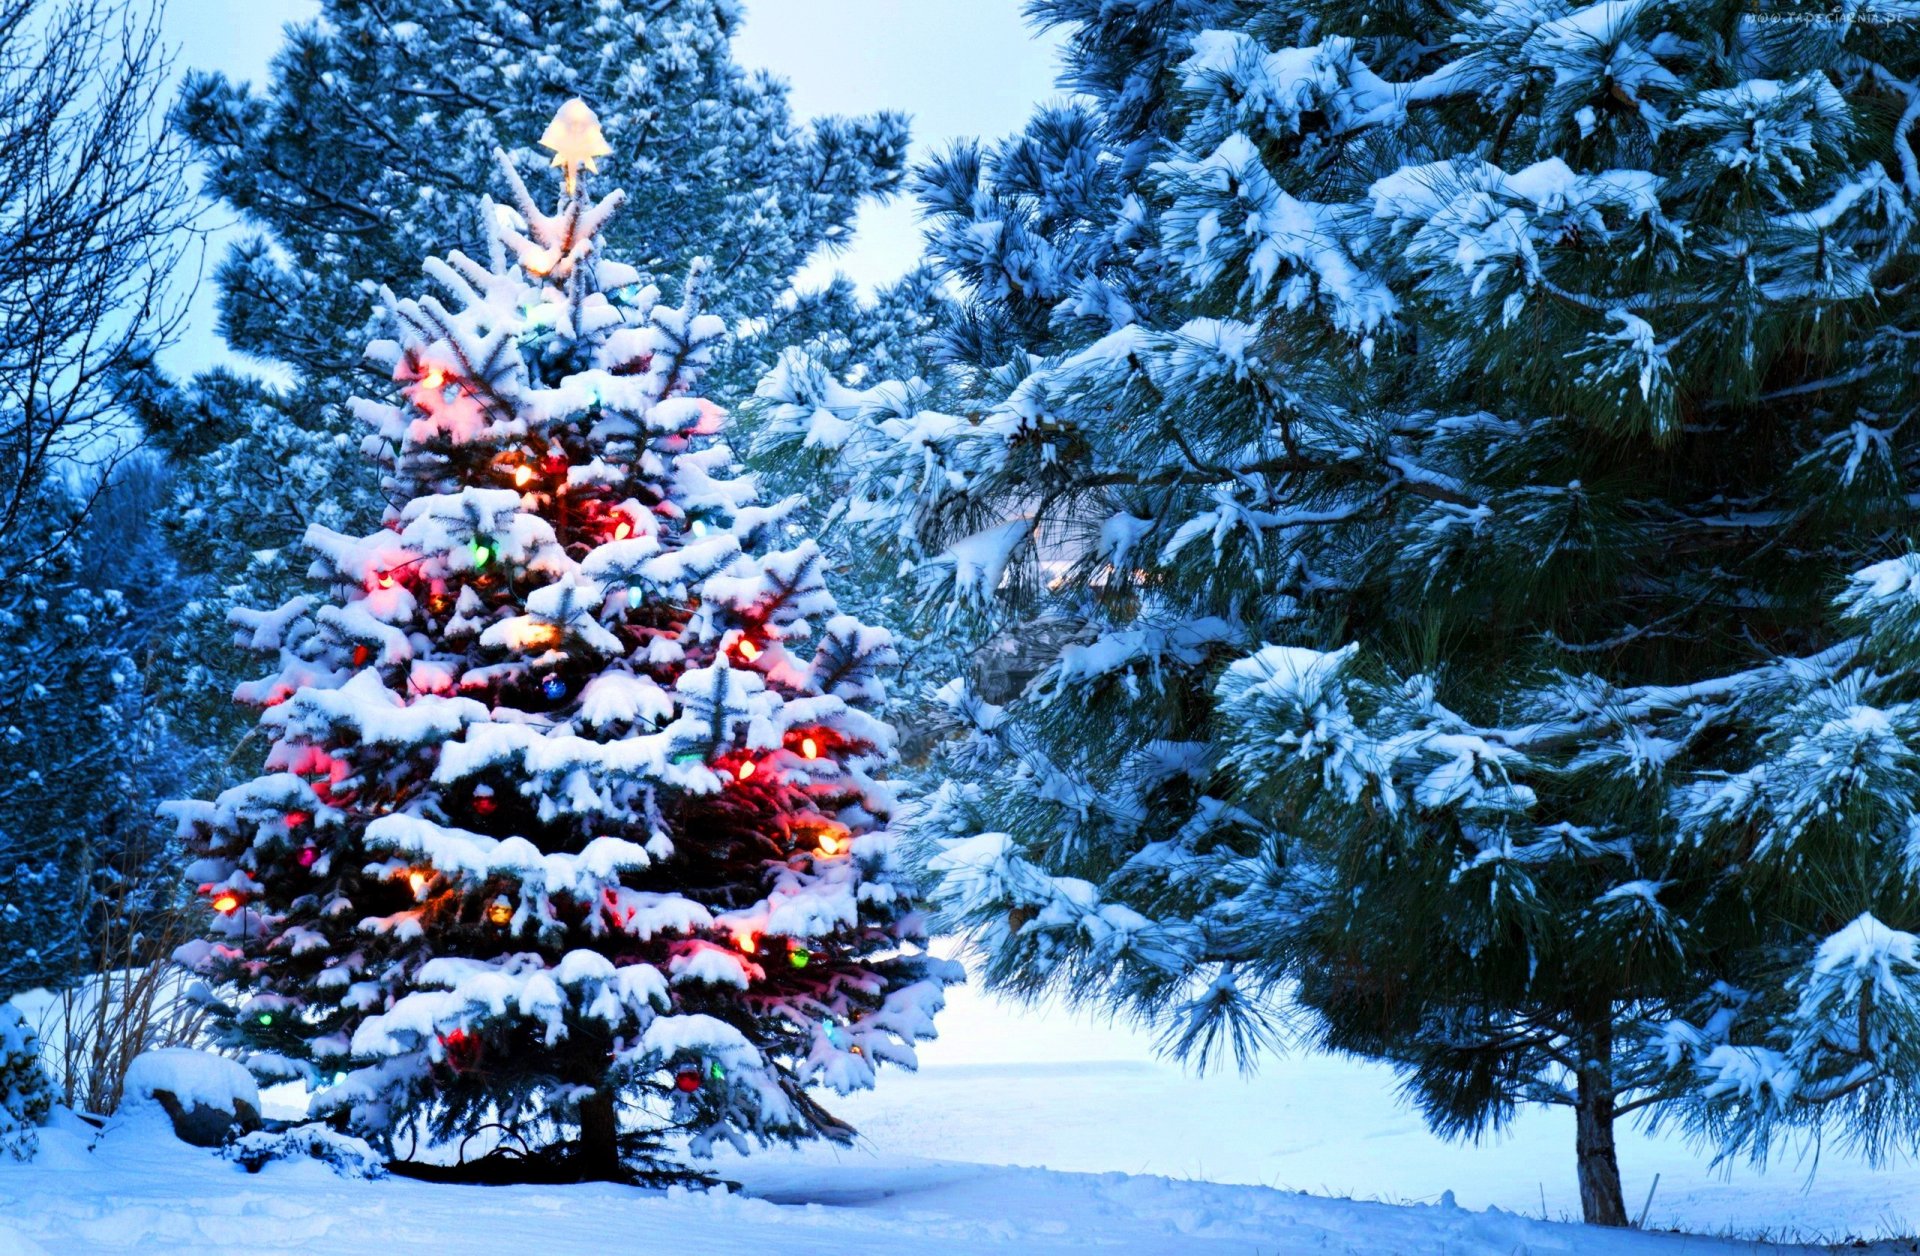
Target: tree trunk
x=1601, y=1199
x=599, y=1138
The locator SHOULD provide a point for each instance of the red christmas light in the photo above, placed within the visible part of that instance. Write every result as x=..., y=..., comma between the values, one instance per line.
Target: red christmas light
x=462, y=1048
x=226, y=904
x=484, y=805
x=622, y=530
x=809, y=748
x=306, y=856
x=360, y=655
x=297, y=818
x=745, y=770
x=384, y=579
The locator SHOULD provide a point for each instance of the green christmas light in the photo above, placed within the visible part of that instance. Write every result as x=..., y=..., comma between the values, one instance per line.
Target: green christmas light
x=799, y=957
x=482, y=554
x=266, y=1018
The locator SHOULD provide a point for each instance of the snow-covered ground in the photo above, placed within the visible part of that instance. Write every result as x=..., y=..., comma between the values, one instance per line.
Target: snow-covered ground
x=1139, y=1158
x=1008, y=1086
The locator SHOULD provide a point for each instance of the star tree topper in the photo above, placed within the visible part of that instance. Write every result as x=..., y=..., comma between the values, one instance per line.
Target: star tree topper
x=575, y=139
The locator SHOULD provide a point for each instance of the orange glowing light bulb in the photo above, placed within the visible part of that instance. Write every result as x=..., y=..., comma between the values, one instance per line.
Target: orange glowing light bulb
x=523, y=476
x=434, y=377
x=417, y=881
x=622, y=530
x=829, y=844
x=809, y=747
x=746, y=769
x=748, y=650
x=227, y=904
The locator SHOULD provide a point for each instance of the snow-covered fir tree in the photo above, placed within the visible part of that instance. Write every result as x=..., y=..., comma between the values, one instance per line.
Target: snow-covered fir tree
x=358, y=156
x=1424, y=488
x=573, y=806
x=84, y=751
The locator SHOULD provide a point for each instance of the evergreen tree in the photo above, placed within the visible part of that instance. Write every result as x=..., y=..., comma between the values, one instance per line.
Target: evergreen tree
x=572, y=801
x=1438, y=568
x=357, y=158
x=84, y=751
x=375, y=127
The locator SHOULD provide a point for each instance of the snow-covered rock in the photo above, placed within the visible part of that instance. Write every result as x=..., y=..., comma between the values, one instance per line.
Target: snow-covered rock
x=207, y=1097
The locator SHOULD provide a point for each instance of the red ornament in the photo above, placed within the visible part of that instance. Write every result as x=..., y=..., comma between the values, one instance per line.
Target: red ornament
x=306, y=856
x=687, y=1080
x=463, y=1049
x=483, y=804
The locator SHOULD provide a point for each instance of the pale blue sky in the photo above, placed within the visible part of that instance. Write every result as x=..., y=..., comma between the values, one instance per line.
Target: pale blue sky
x=960, y=67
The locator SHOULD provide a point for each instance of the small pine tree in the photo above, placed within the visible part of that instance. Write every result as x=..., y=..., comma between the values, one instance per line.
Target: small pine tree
x=26, y=1096
x=573, y=799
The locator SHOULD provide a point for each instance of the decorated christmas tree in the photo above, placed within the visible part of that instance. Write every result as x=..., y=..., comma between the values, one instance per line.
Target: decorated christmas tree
x=571, y=823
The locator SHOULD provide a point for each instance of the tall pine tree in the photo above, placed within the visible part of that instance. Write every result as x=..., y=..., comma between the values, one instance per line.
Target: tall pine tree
x=1438, y=571
x=572, y=803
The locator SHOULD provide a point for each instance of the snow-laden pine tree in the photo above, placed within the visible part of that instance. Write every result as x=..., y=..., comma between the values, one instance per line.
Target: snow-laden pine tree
x=358, y=156
x=1456, y=504
x=572, y=807
x=84, y=752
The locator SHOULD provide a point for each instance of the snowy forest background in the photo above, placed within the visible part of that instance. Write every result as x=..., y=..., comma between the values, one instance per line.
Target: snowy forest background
x=1145, y=1019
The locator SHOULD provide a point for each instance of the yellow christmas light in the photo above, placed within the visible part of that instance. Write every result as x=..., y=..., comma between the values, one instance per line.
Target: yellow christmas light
x=575, y=140
x=529, y=634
